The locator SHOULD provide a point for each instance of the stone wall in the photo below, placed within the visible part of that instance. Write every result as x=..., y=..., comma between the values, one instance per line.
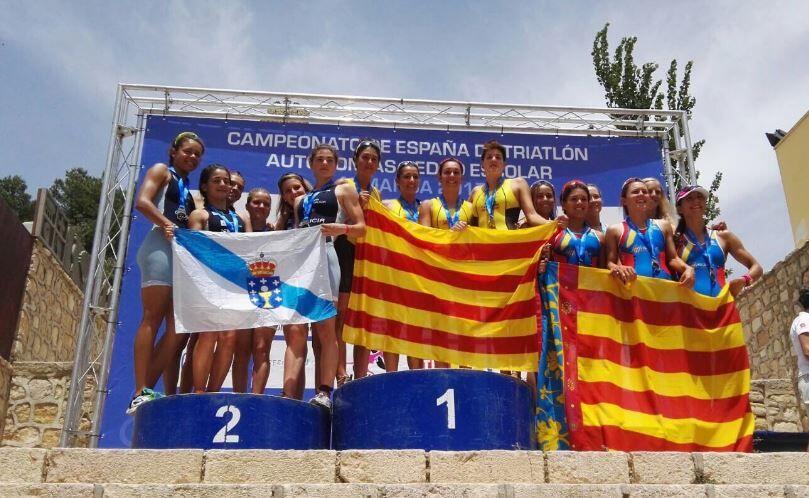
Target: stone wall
x=767, y=310
x=50, y=312
x=37, y=402
x=5, y=384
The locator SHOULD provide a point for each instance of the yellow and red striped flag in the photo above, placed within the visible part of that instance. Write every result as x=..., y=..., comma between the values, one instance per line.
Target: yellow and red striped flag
x=648, y=366
x=467, y=298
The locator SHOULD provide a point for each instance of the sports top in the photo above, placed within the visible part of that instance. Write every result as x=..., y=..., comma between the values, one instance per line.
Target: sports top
x=168, y=202
x=400, y=209
x=576, y=248
x=223, y=221
x=644, y=249
x=505, y=211
x=707, y=259
x=439, y=216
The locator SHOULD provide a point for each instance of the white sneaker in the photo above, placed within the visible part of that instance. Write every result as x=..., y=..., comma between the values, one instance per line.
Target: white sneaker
x=321, y=399
x=144, y=396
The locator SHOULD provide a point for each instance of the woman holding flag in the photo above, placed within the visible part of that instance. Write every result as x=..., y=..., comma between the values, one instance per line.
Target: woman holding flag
x=291, y=186
x=578, y=243
x=497, y=203
x=641, y=245
x=165, y=199
x=406, y=207
x=447, y=211
x=326, y=205
x=367, y=156
x=707, y=250
x=213, y=351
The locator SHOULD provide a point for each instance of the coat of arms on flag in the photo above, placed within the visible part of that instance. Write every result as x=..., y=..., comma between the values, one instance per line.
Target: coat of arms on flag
x=263, y=286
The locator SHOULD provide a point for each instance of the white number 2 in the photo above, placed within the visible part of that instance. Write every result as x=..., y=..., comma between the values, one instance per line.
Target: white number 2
x=449, y=398
x=222, y=436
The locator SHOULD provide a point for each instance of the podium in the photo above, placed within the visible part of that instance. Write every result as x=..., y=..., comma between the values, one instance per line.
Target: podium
x=230, y=421
x=439, y=409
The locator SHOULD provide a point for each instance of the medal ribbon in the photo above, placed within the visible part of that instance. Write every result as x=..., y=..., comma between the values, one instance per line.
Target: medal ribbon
x=452, y=219
x=646, y=238
x=183, y=189
x=490, y=197
x=703, y=249
x=229, y=219
x=411, y=210
x=581, y=248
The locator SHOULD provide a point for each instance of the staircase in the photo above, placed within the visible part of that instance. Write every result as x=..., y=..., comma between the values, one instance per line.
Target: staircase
x=397, y=473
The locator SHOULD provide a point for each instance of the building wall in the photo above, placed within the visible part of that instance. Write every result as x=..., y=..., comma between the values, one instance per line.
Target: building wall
x=50, y=312
x=5, y=385
x=36, y=404
x=767, y=310
x=793, y=160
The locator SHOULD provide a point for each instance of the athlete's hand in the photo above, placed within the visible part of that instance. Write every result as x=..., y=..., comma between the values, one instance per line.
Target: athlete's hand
x=365, y=196
x=623, y=273
x=168, y=231
x=719, y=226
x=687, y=278
x=562, y=221
x=333, y=229
x=736, y=285
x=460, y=226
x=544, y=256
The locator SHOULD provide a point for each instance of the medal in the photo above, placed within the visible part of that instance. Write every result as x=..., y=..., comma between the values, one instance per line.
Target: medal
x=490, y=199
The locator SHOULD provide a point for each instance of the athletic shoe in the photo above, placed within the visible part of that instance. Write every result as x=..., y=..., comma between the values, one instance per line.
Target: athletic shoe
x=321, y=399
x=145, y=395
x=343, y=380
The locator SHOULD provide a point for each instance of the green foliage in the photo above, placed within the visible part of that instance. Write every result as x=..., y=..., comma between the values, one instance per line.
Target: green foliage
x=14, y=192
x=629, y=86
x=79, y=194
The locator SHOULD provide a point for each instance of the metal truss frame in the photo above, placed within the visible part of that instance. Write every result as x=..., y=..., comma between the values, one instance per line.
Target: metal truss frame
x=134, y=102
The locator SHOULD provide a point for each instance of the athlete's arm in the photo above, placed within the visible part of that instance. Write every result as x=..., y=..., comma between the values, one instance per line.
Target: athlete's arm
x=424, y=212
x=685, y=271
x=198, y=219
x=349, y=200
x=156, y=178
x=734, y=246
x=612, y=240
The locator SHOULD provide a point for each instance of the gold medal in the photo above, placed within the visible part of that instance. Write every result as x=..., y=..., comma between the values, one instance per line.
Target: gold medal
x=491, y=223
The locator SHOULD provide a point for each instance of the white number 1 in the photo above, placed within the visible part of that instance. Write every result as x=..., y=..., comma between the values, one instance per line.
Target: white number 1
x=449, y=398
x=222, y=436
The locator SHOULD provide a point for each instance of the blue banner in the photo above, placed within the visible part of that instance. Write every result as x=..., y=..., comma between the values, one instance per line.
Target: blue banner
x=263, y=151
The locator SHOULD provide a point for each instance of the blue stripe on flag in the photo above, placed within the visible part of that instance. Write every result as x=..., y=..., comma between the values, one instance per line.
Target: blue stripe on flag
x=234, y=269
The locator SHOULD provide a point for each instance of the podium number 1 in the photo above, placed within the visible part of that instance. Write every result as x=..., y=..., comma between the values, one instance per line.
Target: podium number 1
x=449, y=398
x=222, y=436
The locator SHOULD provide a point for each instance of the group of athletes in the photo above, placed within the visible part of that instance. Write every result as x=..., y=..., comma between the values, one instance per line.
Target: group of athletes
x=646, y=243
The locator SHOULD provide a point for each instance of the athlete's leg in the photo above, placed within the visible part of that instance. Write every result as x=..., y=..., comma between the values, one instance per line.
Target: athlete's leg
x=295, y=360
x=241, y=359
x=222, y=359
x=262, y=341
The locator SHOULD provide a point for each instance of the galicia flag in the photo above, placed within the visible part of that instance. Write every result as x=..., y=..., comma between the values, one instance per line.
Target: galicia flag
x=225, y=281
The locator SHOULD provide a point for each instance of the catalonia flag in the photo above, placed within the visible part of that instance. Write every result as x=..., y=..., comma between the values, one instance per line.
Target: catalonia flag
x=648, y=366
x=467, y=297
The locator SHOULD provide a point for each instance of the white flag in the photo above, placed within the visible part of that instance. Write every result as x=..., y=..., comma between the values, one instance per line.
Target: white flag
x=225, y=281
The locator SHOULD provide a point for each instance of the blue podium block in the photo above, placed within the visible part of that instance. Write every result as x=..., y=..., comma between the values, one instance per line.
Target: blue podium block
x=230, y=421
x=441, y=409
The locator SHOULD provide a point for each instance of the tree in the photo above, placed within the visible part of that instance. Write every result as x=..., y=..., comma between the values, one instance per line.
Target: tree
x=79, y=194
x=14, y=192
x=628, y=86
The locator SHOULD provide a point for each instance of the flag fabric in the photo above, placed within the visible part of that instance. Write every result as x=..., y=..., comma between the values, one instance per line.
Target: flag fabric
x=466, y=298
x=225, y=281
x=647, y=366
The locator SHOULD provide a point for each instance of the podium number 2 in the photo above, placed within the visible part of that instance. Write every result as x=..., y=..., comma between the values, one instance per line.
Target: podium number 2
x=449, y=398
x=222, y=436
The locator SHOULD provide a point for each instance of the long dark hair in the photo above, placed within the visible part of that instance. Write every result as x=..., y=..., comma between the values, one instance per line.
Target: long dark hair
x=535, y=188
x=283, y=208
x=205, y=175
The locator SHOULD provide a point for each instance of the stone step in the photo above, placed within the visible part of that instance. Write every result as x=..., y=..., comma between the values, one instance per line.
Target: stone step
x=459, y=490
x=180, y=467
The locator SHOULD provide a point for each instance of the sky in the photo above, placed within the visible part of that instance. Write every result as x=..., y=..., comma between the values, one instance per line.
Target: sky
x=61, y=62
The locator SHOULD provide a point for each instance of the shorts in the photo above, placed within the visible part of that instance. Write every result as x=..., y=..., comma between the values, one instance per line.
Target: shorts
x=345, y=254
x=803, y=388
x=334, y=269
x=154, y=259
